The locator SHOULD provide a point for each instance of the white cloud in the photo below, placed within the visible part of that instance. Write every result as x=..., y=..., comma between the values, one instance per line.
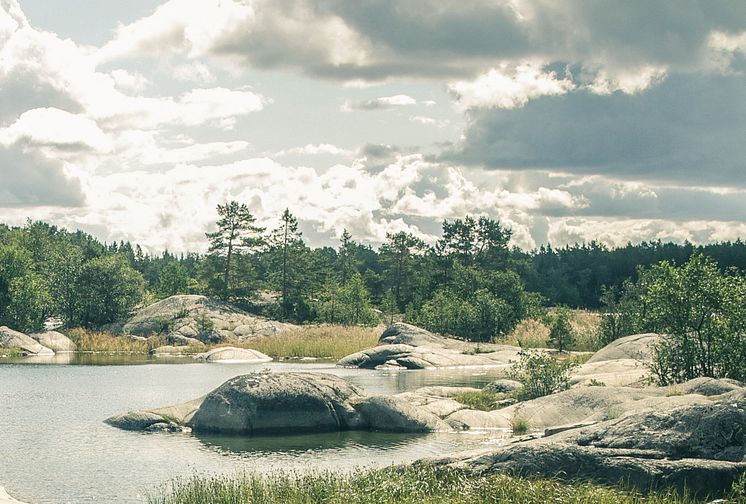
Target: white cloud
x=52, y=127
x=384, y=102
x=429, y=121
x=194, y=72
x=509, y=87
x=129, y=81
x=313, y=150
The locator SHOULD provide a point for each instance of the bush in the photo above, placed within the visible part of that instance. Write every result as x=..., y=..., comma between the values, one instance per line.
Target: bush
x=702, y=314
x=541, y=374
x=560, y=331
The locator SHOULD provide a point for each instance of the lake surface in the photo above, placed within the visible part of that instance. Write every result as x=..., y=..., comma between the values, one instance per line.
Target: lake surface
x=55, y=447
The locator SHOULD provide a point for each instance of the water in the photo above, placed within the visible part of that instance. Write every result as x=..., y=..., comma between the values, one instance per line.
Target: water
x=55, y=448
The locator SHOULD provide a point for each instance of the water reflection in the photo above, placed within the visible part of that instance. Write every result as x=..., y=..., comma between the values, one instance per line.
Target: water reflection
x=305, y=443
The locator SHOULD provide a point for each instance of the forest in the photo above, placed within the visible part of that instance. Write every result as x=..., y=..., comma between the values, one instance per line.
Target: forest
x=470, y=283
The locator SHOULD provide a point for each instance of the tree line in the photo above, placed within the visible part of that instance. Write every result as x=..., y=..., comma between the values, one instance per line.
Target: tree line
x=470, y=283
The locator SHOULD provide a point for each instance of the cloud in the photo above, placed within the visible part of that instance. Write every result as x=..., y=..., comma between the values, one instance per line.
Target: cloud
x=378, y=39
x=429, y=121
x=687, y=130
x=129, y=81
x=30, y=179
x=58, y=129
x=509, y=87
x=382, y=103
x=313, y=150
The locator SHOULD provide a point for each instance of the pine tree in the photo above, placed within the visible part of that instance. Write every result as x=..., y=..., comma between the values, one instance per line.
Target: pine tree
x=236, y=234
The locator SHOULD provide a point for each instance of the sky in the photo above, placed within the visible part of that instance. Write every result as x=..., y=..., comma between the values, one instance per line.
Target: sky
x=568, y=121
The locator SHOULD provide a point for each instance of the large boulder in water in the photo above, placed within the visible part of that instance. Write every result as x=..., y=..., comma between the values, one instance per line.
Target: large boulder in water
x=207, y=319
x=274, y=403
x=409, y=347
x=19, y=341
x=232, y=354
x=287, y=403
x=55, y=341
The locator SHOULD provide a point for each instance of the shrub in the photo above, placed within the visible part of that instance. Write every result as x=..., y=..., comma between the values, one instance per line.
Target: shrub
x=560, y=330
x=701, y=313
x=519, y=425
x=541, y=374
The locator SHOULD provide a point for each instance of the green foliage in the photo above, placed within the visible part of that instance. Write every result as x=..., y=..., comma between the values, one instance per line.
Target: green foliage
x=561, y=334
x=205, y=325
x=702, y=314
x=421, y=484
x=346, y=305
x=519, y=425
x=621, y=313
x=24, y=298
x=482, y=400
x=173, y=279
x=108, y=290
x=236, y=235
x=541, y=374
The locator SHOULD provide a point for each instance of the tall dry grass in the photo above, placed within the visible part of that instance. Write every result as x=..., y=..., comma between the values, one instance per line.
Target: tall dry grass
x=321, y=342
x=95, y=341
x=533, y=333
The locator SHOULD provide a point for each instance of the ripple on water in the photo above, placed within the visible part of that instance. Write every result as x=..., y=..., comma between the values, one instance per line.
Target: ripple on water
x=55, y=447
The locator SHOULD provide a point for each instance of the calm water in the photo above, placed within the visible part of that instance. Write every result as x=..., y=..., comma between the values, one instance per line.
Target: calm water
x=55, y=448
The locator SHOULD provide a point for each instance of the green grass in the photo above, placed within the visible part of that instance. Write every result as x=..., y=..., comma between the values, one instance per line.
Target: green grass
x=482, y=400
x=519, y=425
x=416, y=485
x=7, y=353
x=321, y=342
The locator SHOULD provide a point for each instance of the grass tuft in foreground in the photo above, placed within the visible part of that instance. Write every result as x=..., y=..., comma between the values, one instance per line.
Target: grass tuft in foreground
x=420, y=485
x=321, y=342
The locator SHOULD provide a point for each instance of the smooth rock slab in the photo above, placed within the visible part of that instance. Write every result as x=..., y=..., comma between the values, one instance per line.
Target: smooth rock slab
x=54, y=340
x=406, y=346
x=17, y=340
x=232, y=354
x=699, y=445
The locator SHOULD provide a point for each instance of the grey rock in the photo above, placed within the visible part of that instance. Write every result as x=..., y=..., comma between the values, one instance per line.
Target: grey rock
x=700, y=445
x=55, y=341
x=261, y=403
x=232, y=354
x=186, y=314
x=394, y=414
x=17, y=340
x=408, y=347
x=503, y=386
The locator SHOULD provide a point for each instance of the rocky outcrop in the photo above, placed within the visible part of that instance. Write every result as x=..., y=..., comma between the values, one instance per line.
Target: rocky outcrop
x=16, y=340
x=266, y=403
x=625, y=361
x=232, y=354
x=199, y=317
x=503, y=386
x=408, y=347
x=55, y=341
x=700, y=445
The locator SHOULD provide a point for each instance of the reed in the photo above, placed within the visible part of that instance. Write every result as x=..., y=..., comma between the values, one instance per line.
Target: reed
x=320, y=342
